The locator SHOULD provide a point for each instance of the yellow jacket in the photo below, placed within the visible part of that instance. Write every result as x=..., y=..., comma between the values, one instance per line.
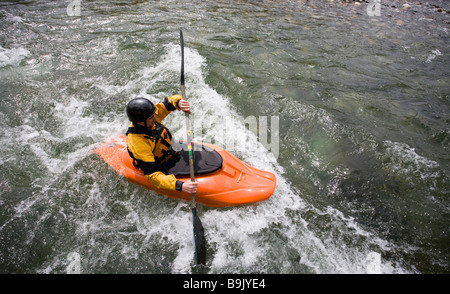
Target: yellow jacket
x=149, y=151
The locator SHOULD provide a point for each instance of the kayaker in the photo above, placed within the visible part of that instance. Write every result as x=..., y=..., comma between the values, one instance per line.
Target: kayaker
x=149, y=141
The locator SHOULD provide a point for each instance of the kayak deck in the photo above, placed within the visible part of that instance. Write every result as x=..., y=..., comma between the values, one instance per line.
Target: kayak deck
x=229, y=182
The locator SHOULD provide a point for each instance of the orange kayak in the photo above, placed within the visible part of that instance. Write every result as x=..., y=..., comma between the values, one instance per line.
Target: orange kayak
x=223, y=179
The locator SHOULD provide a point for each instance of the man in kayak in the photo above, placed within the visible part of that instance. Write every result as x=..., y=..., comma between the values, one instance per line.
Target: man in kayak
x=149, y=141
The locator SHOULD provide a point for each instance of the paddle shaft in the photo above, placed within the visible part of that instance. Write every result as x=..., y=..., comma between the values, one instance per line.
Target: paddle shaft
x=199, y=234
x=188, y=122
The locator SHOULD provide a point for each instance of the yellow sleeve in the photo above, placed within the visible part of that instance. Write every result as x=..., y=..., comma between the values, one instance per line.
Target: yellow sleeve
x=162, y=181
x=164, y=108
x=174, y=101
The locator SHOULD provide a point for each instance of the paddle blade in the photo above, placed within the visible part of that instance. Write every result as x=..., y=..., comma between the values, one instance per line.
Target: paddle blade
x=182, y=57
x=199, y=239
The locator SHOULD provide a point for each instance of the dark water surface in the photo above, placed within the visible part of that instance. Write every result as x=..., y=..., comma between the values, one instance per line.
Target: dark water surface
x=362, y=160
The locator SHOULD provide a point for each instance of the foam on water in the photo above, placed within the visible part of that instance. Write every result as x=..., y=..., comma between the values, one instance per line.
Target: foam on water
x=405, y=161
x=433, y=55
x=13, y=56
x=76, y=123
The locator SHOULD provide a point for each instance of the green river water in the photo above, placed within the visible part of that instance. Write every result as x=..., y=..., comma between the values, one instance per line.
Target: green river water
x=355, y=110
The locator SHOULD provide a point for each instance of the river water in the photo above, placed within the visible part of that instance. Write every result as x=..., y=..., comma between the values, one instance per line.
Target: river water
x=356, y=110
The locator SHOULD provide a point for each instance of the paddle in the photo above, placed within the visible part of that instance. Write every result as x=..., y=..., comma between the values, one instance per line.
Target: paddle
x=199, y=235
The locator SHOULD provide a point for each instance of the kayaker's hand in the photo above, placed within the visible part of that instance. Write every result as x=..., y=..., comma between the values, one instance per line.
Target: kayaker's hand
x=189, y=187
x=185, y=106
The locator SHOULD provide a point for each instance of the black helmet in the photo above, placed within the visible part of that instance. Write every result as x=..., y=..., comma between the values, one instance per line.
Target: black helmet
x=139, y=109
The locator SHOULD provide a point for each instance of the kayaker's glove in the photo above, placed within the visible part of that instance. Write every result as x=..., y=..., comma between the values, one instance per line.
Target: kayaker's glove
x=179, y=185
